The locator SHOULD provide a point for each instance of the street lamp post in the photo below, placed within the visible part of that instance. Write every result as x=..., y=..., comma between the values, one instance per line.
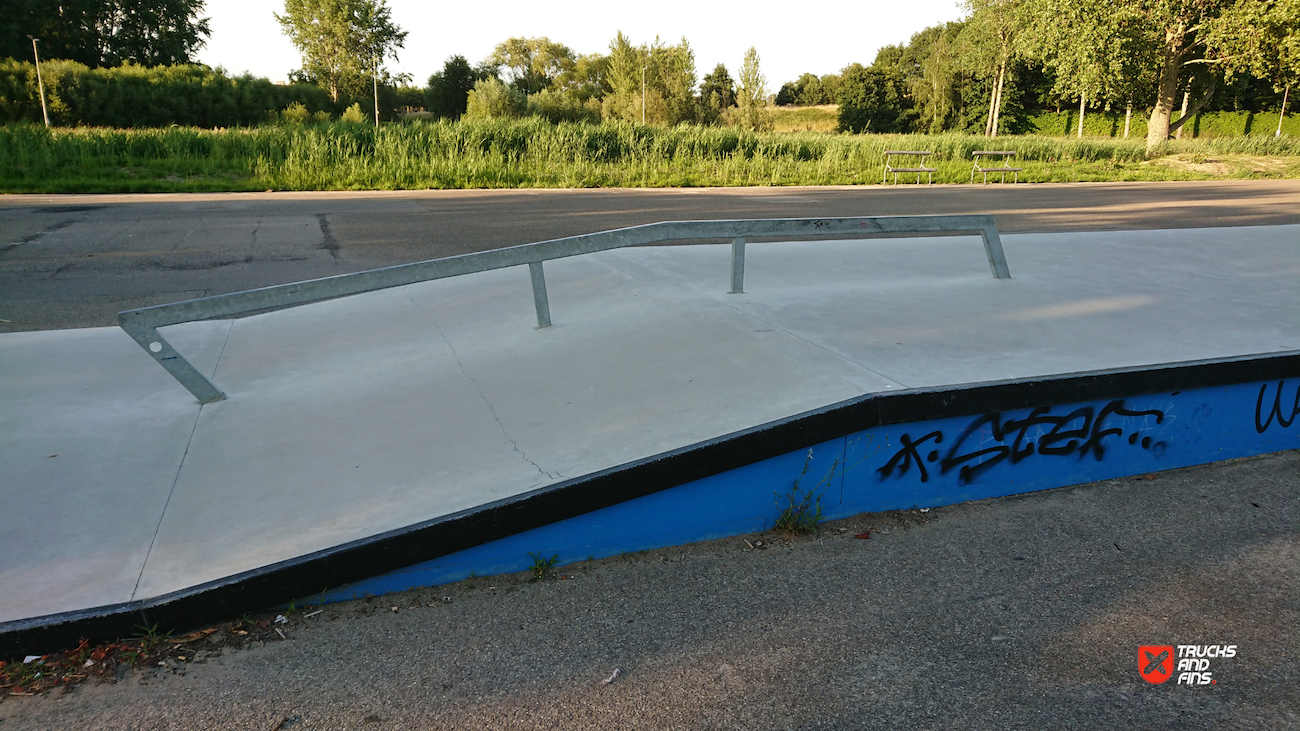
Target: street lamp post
x=643, y=68
x=40, y=83
x=375, y=77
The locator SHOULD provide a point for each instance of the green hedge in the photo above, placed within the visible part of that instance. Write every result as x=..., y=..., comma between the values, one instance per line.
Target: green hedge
x=135, y=96
x=1208, y=125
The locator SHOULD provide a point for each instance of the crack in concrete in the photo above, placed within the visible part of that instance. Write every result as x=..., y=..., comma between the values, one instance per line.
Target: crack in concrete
x=491, y=409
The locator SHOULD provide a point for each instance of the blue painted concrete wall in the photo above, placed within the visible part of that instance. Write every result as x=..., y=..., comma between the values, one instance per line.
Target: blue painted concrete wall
x=919, y=464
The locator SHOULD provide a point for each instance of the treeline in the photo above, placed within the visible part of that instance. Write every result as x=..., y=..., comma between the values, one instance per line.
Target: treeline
x=655, y=83
x=1012, y=59
x=994, y=72
x=100, y=33
x=137, y=96
x=916, y=88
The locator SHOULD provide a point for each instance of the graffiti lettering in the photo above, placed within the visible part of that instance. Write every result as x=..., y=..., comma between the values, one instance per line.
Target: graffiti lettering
x=910, y=456
x=990, y=440
x=1278, y=411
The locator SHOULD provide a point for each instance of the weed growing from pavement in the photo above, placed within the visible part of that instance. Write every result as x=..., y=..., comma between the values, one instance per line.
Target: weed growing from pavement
x=541, y=565
x=149, y=638
x=803, y=509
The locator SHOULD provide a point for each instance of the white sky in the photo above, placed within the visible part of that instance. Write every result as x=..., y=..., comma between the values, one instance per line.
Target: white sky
x=791, y=39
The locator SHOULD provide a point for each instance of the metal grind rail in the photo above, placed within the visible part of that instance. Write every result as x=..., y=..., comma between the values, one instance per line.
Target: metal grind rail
x=142, y=324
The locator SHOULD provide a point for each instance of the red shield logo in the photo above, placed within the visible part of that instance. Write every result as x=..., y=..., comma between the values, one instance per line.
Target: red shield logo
x=1156, y=663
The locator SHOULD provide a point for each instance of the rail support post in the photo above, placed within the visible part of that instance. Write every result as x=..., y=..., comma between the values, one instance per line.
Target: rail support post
x=539, y=294
x=738, y=265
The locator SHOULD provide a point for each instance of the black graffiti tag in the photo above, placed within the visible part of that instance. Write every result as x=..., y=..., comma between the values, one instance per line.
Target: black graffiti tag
x=1080, y=432
x=909, y=456
x=1278, y=411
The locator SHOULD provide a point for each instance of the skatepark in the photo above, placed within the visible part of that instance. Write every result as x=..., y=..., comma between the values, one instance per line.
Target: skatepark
x=418, y=434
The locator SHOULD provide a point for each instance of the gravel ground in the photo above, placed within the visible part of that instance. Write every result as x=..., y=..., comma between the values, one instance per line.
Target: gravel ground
x=1023, y=612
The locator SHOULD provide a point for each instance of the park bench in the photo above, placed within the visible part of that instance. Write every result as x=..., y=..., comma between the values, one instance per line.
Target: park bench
x=1004, y=157
x=920, y=166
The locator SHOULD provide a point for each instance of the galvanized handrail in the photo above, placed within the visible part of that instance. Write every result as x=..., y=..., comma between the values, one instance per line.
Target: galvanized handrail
x=142, y=324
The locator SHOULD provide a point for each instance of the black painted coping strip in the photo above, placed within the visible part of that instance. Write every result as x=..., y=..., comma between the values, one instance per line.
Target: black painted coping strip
x=305, y=576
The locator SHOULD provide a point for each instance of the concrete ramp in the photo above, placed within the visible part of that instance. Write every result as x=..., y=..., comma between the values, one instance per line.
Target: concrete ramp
x=413, y=435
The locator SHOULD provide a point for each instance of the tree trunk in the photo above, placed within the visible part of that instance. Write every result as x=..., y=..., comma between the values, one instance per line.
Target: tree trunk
x=988, y=123
x=1083, y=107
x=1128, y=118
x=1182, y=114
x=997, y=106
x=1171, y=62
x=1196, y=108
x=1282, y=113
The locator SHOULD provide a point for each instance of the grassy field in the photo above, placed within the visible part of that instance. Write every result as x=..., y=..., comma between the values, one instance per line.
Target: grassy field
x=824, y=118
x=535, y=153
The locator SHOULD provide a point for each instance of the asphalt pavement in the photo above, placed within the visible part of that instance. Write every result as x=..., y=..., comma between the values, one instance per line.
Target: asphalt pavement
x=1013, y=613
x=77, y=260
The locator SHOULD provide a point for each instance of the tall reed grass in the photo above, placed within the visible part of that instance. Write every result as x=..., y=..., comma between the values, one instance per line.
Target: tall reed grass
x=533, y=153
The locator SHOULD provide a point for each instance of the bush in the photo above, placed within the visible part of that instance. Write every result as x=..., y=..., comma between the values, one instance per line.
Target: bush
x=560, y=107
x=492, y=99
x=295, y=113
x=354, y=115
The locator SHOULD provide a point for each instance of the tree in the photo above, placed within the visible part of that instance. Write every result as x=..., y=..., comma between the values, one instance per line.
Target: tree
x=343, y=42
x=988, y=47
x=934, y=76
x=751, y=93
x=717, y=93
x=676, y=72
x=533, y=64
x=1262, y=38
x=588, y=79
x=448, y=91
x=654, y=80
x=1096, y=51
x=873, y=99
x=101, y=33
x=806, y=91
x=1164, y=44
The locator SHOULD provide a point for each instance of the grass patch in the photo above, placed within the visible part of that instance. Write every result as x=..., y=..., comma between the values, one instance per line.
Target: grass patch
x=823, y=118
x=530, y=153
